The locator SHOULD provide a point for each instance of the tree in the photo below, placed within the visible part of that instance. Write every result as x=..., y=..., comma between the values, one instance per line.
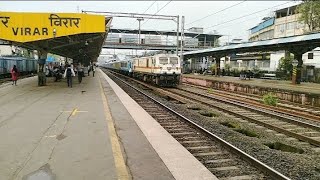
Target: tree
x=213, y=68
x=310, y=14
x=285, y=64
x=285, y=67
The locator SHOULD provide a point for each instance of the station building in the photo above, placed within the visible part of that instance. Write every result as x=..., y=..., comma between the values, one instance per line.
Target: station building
x=284, y=23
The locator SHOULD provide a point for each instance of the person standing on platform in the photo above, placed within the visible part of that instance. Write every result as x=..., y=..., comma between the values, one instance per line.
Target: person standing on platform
x=14, y=75
x=89, y=69
x=80, y=73
x=93, y=67
x=69, y=73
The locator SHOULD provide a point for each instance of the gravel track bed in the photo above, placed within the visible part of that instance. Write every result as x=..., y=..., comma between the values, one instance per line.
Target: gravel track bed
x=294, y=165
x=245, y=167
x=290, y=104
x=203, y=91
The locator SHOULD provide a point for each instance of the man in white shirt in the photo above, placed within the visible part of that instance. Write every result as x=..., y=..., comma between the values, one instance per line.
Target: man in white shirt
x=69, y=73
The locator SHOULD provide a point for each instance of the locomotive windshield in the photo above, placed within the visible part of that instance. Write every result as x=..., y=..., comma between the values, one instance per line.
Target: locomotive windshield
x=163, y=60
x=173, y=60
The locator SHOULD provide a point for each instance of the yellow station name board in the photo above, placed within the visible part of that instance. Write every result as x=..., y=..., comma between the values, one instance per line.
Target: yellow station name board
x=27, y=27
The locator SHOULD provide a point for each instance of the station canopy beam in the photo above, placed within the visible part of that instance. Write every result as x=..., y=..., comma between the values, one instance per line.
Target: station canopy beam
x=74, y=35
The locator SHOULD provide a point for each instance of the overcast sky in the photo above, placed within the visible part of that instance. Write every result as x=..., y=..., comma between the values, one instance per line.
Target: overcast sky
x=192, y=10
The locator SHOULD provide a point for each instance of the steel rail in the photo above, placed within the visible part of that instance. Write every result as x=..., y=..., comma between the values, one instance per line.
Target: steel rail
x=273, y=127
x=258, y=164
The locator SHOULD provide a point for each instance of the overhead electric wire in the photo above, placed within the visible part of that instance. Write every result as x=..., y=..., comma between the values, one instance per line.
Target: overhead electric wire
x=144, y=11
x=149, y=7
x=216, y=12
x=157, y=11
x=223, y=27
x=244, y=16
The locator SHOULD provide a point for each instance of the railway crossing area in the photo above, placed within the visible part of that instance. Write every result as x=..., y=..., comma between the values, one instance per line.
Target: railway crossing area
x=85, y=132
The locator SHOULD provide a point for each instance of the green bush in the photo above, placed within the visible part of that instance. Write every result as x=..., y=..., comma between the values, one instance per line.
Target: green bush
x=270, y=99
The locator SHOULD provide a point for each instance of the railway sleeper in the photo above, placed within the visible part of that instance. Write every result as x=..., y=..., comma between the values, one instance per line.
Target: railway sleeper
x=174, y=131
x=159, y=115
x=198, y=149
x=297, y=130
x=316, y=138
x=183, y=134
x=220, y=163
x=209, y=154
x=311, y=134
x=194, y=143
x=166, y=123
x=276, y=122
x=172, y=127
x=187, y=138
x=226, y=171
x=157, y=112
x=289, y=126
x=243, y=177
x=165, y=119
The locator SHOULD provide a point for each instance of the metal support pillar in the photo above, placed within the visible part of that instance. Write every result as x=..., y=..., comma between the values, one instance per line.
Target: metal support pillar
x=41, y=73
x=217, y=69
x=182, y=39
x=139, y=20
x=298, y=52
x=297, y=70
x=177, y=49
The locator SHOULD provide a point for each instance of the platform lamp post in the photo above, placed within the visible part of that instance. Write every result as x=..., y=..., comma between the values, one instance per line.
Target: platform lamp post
x=294, y=71
x=139, y=19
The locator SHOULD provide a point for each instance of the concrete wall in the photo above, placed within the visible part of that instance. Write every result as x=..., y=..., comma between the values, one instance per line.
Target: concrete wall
x=5, y=50
x=274, y=60
x=264, y=34
x=288, y=26
x=312, y=62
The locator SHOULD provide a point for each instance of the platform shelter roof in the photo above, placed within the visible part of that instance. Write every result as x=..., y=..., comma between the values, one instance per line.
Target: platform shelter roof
x=311, y=40
x=74, y=35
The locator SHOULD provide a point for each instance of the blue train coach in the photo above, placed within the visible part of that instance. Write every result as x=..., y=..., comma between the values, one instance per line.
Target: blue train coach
x=24, y=65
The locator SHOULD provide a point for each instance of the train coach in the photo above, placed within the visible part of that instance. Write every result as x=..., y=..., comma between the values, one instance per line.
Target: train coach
x=160, y=69
x=123, y=66
x=24, y=65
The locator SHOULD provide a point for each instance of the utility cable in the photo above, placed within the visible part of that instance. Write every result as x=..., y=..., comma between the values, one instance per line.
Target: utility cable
x=157, y=11
x=149, y=7
x=244, y=16
x=144, y=11
x=216, y=12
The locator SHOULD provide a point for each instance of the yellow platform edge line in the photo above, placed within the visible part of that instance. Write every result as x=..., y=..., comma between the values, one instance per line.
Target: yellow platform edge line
x=121, y=168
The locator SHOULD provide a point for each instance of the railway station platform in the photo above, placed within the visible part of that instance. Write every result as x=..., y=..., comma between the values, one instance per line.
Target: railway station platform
x=304, y=93
x=91, y=131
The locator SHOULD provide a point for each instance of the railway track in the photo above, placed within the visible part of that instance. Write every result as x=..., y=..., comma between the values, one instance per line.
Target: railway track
x=220, y=157
x=294, y=127
x=306, y=112
x=285, y=124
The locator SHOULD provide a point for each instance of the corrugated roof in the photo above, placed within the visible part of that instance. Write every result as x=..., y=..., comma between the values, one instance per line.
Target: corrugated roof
x=279, y=41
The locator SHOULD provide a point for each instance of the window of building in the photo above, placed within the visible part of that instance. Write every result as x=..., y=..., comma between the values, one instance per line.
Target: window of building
x=310, y=55
x=281, y=27
x=299, y=25
x=290, y=25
